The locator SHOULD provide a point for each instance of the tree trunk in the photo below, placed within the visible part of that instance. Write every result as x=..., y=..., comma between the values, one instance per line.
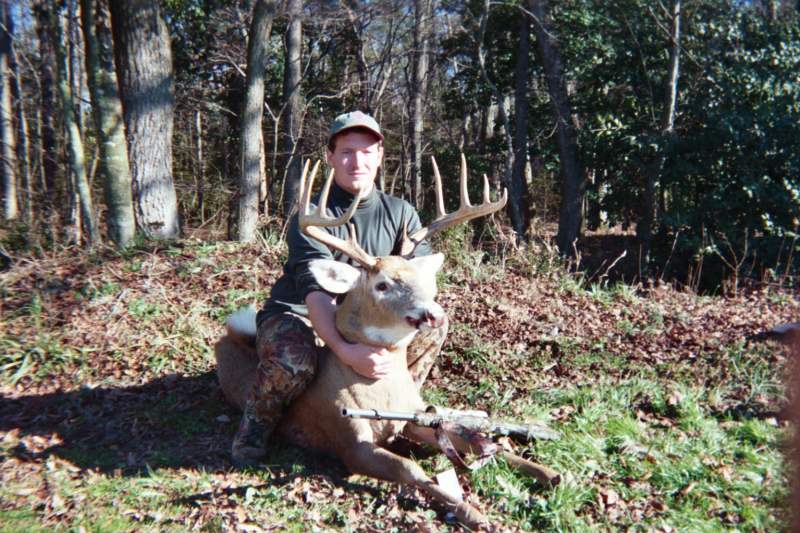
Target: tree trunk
x=23, y=134
x=201, y=167
x=519, y=202
x=47, y=139
x=422, y=14
x=572, y=180
x=76, y=75
x=293, y=96
x=144, y=66
x=647, y=223
x=252, y=111
x=502, y=105
x=108, y=120
x=72, y=127
x=8, y=157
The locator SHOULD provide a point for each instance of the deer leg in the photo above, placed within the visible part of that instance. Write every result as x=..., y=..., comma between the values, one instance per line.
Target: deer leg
x=544, y=475
x=369, y=459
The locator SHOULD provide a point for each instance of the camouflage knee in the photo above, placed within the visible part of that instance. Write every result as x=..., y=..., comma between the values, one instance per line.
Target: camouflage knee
x=287, y=353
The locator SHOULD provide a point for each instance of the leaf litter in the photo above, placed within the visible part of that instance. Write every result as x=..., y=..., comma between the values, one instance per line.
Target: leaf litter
x=109, y=376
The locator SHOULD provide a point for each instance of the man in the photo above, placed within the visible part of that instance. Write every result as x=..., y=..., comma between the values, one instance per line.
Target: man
x=298, y=318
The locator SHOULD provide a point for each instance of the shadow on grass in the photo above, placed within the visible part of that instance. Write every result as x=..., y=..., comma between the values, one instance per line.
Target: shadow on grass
x=171, y=422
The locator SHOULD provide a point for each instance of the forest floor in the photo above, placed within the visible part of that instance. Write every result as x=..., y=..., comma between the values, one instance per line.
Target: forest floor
x=111, y=419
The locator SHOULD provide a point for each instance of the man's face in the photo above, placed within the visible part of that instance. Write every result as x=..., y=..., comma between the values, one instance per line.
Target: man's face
x=355, y=161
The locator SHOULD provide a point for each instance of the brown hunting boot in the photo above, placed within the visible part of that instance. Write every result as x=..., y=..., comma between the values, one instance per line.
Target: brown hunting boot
x=250, y=442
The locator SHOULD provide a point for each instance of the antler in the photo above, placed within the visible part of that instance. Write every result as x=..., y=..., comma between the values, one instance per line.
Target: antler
x=465, y=212
x=312, y=224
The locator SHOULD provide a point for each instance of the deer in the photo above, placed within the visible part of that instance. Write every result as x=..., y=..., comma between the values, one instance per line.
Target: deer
x=389, y=319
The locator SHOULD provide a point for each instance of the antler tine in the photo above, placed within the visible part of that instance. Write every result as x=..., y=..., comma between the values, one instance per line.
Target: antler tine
x=305, y=187
x=323, y=197
x=464, y=201
x=312, y=225
x=465, y=212
x=440, y=212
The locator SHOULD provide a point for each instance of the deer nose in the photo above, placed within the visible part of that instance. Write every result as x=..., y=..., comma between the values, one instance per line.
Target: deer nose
x=434, y=318
x=430, y=317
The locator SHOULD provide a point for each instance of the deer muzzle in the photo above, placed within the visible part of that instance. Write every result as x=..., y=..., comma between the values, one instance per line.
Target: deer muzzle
x=431, y=317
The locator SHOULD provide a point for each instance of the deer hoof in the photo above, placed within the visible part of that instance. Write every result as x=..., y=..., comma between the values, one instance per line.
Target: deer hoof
x=471, y=517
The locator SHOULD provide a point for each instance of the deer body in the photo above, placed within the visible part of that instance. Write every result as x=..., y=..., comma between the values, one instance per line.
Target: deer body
x=387, y=302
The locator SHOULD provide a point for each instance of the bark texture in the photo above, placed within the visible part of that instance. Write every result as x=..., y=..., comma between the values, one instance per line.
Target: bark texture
x=519, y=201
x=292, y=93
x=74, y=139
x=109, y=123
x=48, y=158
x=8, y=157
x=422, y=14
x=573, y=184
x=252, y=112
x=144, y=66
x=23, y=133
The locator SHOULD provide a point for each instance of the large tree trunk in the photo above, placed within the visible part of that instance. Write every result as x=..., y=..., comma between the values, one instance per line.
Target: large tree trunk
x=422, y=14
x=252, y=111
x=109, y=122
x=71, y=124
x=144, y=67
x=646, y=225
x=572, y=180
x=8, y=157
x=293, y=95
x=519, y=203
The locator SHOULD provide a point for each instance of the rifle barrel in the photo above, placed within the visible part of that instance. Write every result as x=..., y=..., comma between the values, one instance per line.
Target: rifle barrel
x=374, y=414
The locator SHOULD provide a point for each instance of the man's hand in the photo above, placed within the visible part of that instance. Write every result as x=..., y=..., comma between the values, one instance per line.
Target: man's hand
x=371, y=362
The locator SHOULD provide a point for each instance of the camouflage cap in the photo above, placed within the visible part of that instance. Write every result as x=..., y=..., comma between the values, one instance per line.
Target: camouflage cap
x=354, y=119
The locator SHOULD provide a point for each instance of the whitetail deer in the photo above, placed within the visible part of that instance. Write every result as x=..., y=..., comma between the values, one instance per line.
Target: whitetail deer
x=387, y=301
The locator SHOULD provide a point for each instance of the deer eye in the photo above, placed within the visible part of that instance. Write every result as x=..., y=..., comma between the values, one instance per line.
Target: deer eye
x=382, y=286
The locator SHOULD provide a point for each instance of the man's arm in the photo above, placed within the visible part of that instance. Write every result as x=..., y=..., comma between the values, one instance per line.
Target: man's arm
x=370, y=361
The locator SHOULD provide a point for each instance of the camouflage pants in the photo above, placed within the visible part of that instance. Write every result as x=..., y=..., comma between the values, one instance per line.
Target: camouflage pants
x=288, y=351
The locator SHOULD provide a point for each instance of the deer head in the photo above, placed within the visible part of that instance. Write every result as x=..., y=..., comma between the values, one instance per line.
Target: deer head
x=389, y=298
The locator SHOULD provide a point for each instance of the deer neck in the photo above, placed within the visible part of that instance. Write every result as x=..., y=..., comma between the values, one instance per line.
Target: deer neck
x=357, y=324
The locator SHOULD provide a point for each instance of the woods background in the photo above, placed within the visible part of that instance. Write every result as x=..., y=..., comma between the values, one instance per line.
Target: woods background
x=191, y=117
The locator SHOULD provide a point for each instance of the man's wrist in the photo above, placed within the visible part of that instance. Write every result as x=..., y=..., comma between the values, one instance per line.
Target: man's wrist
x=339, y=349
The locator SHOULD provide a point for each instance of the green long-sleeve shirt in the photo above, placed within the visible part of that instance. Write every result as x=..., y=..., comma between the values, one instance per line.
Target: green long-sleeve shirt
x=379, y=222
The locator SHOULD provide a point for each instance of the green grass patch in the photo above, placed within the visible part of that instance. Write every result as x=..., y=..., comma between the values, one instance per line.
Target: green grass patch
x=43, y=356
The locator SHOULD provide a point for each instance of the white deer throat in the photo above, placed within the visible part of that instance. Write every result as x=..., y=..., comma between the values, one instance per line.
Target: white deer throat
x=389, y=336
x=350, y=323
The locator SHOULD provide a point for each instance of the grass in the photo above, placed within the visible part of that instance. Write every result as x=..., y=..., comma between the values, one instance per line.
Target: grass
x=677, y=438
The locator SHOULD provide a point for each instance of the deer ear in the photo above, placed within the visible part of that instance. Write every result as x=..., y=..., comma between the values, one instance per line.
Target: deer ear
x=428, y=264
x=334, y=276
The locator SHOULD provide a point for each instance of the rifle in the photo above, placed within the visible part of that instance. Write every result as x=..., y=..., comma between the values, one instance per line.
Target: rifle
x=463, y=421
